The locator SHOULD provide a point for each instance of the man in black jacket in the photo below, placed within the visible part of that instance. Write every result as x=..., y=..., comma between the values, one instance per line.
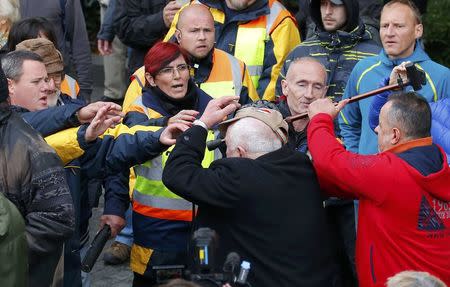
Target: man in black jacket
x=263, y=200
x=139, y=24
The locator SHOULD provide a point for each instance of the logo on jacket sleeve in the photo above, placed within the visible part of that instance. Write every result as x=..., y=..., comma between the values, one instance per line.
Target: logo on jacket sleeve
x=429, y=220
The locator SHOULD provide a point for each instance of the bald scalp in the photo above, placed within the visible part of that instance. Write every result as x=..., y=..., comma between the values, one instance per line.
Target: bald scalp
x=193, y=10
x=308, y=61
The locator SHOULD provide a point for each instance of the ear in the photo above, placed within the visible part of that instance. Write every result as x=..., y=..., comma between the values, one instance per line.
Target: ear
x=150, y=79
x=11, y=87
x=418, y=31
x=178, y=35
x=284, y=87
x=241, y=151
x=396, y=136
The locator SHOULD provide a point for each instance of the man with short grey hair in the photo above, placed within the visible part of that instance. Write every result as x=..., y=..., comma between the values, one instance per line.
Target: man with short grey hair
x=263, y=200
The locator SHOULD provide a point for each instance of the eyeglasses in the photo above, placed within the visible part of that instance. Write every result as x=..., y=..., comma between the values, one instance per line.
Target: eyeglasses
x=170, y=71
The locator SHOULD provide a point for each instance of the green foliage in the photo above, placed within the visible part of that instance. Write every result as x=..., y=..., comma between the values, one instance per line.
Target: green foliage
x=437, y=31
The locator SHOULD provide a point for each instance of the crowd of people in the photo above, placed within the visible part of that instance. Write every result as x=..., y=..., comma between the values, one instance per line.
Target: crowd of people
x=233, y=116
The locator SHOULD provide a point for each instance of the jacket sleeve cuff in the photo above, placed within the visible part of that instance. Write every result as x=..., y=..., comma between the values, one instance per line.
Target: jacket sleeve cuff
x=195, y=138
x=82, y=141
x=115, y=206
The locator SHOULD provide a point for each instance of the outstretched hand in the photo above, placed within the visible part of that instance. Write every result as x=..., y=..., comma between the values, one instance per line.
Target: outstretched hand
x=327, y=106
x=87, y=113
x=101, y=122
x=171, y=132
x=184, y=117
x=217, y=110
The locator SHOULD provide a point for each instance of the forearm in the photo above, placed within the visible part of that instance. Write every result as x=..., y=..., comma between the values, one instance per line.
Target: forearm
x=52, y=120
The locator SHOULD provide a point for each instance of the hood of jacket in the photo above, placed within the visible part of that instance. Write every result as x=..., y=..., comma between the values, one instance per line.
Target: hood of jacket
x=351, y=7
x=437, y=184
x=428, y=168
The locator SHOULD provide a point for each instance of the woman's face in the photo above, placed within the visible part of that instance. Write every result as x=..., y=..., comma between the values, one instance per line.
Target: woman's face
x=172, y=79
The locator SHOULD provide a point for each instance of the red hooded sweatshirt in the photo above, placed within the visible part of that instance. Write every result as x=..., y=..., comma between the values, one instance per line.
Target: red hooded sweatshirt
x=404, y=216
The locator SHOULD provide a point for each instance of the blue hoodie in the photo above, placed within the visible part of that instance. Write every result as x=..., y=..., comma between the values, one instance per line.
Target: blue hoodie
x=367, y=74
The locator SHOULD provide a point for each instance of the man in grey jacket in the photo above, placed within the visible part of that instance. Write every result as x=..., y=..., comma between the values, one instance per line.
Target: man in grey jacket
x=34, y=181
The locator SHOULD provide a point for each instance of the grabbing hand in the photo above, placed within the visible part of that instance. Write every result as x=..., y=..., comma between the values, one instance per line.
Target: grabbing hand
x=101, y=123
x=116, y=223
x=87, y=113
x=398, y=72
x=185, y=117
x=218, y=109
x=327, y=106
x=169, y=12
x=104, y=47
x=171, y=132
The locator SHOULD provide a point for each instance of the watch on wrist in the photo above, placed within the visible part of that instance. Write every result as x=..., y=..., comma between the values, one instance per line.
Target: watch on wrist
x=200, y=123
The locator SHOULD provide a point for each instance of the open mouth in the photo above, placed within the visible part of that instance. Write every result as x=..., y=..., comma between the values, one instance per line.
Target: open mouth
x=43, y=100
x=177, y=86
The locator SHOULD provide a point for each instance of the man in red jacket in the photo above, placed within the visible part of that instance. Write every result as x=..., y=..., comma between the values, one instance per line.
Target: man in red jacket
x=404, y=191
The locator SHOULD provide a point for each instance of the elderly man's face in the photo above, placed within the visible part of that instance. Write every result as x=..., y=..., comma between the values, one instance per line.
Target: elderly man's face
x=399, y=30
x=304, y=83
x=239, y=4
x=31, y=90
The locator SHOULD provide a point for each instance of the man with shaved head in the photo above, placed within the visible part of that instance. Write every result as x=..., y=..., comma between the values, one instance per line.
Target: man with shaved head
x=260, y=33
x=305, y=82
x=213, y=70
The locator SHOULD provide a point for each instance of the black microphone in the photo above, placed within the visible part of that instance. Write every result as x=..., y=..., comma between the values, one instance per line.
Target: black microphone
x=231, y=262
x=95, y=248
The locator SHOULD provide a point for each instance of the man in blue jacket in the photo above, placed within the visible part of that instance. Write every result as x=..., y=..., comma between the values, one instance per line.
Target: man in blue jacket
x=400, y=31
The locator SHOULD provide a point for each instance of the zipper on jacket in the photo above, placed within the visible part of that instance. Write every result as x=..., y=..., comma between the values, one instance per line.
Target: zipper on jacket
x=372, y=267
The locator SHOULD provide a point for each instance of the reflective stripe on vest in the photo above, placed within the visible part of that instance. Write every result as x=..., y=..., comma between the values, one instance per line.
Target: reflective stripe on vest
x=69, y=86
x=251, y=41
x=150, y=197
x=224, y=66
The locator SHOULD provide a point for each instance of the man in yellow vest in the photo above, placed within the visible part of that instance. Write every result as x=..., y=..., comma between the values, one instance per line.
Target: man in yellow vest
x=259, y=32
x=214, y=71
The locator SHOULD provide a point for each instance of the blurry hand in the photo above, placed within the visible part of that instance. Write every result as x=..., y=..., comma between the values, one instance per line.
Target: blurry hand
x=327, y=106
x=218, y=109
x=116, y=223
x=87, y=113
x=104, y=47
x=101, y=123
x=398, y=71
x=171, y=132
x=184, y=116
x=169, y=12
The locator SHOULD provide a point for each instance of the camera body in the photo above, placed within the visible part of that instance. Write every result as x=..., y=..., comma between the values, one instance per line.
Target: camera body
x=204, y=245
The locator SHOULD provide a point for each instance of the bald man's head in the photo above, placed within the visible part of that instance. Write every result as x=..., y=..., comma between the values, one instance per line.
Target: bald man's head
x=195, y=30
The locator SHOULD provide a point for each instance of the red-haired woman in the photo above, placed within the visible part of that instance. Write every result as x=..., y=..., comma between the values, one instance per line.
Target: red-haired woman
x=161, y=219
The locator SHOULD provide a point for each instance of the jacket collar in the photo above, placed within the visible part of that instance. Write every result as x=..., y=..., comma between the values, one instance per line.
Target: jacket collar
x=151, y=101
x=418, y=55
x=338, y=39
x=201, y=69
x=411, y=144
x=256, y=10
x=5, y=113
